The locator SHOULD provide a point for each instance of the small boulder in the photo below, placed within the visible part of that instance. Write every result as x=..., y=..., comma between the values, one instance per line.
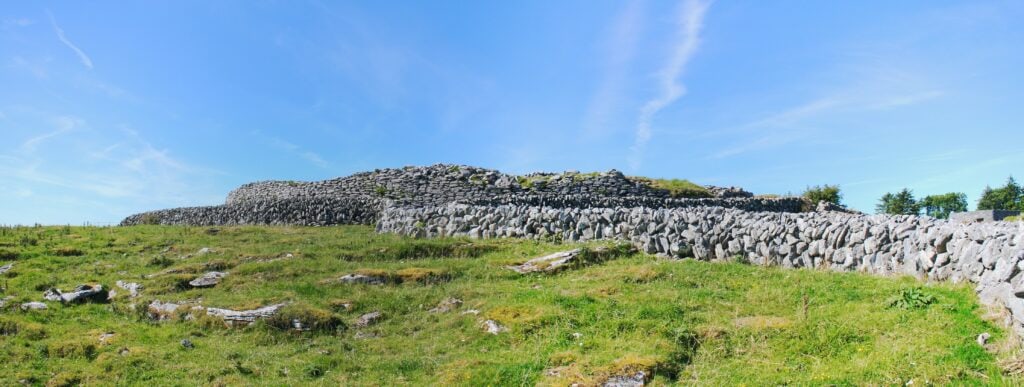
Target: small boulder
x=187, y=344
x=244, y=317
x=493, y=327
x=983, y=338
x=6, y=268
x=368, y=319
x=208, y=280
x=362, y=279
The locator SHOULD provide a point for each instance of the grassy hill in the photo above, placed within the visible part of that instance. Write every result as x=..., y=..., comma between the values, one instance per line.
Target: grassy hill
x=681, y=321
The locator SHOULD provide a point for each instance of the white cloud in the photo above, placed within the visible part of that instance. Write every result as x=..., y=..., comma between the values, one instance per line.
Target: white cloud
x=63, y=124
x=691, y=20
x=60, y=35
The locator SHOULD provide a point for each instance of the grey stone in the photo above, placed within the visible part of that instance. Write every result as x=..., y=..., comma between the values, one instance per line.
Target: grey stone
x=368, y=319
x=35, y=305
x=82, y=293
x=208, y=280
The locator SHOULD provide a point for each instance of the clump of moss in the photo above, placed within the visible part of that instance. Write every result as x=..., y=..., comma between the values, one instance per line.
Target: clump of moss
x=423, y=276
x=309, y=317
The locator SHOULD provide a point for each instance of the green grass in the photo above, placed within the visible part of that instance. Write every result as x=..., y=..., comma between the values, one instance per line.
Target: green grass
x=688, y=322
x=677, y=188
x=1013, y=218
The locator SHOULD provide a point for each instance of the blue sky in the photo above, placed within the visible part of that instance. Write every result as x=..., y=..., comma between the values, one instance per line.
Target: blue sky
x=111, y=108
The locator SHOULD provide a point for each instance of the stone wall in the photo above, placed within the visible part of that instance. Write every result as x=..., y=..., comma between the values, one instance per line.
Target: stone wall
x=988, y=255
x=982, y=216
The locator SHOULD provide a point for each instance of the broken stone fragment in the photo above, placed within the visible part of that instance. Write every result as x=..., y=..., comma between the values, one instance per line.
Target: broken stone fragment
x=447, y=305
x=983, y=338
x=208, y=280
x=6, y=268
x=35, y=305
x=368, y=319
x=82, y=293
x=493, y=327
x=635, y=380
x=362, y=279
x=244, y=317
x=132, y=288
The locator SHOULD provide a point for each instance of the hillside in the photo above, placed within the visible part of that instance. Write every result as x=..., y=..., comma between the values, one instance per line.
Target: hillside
x=615, y=315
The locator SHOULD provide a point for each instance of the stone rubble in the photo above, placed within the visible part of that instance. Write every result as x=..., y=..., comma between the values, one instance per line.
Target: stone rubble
x=207, y=280
x=133, y=288
x=368, y=319
x=447, y=305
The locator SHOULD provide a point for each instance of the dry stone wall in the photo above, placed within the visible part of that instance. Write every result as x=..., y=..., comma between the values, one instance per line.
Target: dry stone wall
x=297, y=211
x=988, y=255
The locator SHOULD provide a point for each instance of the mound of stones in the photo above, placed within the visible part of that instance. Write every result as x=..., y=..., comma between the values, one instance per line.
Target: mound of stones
x=360, y=198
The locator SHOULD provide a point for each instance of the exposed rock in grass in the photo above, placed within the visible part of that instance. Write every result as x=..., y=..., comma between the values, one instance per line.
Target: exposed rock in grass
x=357, y=278
x=341, y=305
x=548, y=263
x=471, y=311
x=234, y=317
x=160, y=311
x=105, y=338
x=983, y=338
x=132, y=288
x=6, y=268
x=368, y=319
x=493, y=327
x=208, y=280
x=82, y=293
x=637, y=379
x=35, y=305
x=187, y=344
x=448, y=305
x=302, y=317
x=564, y=259
x=204, y=251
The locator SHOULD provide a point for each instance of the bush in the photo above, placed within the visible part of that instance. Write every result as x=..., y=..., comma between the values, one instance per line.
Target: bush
x=823, y=193
x=312, y=318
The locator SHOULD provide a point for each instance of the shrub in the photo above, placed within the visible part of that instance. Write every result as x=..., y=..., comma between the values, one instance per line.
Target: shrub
x=823, y=193
x=312, y=318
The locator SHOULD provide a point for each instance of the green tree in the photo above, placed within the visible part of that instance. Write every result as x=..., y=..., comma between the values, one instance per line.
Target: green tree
x=827, y=193
x=901, y=203
x=940, y=206
x=1007, y=197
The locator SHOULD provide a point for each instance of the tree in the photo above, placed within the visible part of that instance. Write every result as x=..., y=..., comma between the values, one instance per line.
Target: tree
x=940, y=206
x=1007, y=197
x=827, y=193
x=902, y=203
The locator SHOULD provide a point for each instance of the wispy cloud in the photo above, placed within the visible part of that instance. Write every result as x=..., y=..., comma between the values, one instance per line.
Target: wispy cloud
x=310, y=156
x=60, y=35
x=691, y=20
x=63, y=124
x=17, y=22
x=620, y=48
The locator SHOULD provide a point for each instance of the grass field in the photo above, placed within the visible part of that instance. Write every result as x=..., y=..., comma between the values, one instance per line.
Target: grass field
x=685, y=322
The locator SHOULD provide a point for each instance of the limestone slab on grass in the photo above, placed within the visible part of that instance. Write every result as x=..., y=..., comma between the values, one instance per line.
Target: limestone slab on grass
x=246, y=317
x=357, y=278
x=208, y=280
x=82, y=293
x=549, y=263
x=6, y=268
x=369, y=319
